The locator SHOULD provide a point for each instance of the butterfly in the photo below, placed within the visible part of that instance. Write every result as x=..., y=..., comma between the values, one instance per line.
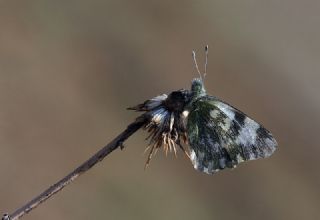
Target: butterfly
x=216, y=134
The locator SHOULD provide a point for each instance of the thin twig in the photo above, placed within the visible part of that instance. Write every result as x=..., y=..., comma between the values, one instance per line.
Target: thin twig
x=100, y=155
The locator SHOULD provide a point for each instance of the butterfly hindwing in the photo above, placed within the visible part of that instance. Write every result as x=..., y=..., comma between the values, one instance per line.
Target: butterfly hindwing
x=221, y=136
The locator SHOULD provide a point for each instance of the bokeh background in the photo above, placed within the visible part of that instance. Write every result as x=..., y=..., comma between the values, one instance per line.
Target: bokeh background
x=69, y=69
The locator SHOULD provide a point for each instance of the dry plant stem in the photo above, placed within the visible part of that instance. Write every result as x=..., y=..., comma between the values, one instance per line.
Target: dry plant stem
x=100, y=155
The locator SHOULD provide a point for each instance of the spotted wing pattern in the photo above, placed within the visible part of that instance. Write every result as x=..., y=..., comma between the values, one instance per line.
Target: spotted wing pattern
x=220, y=136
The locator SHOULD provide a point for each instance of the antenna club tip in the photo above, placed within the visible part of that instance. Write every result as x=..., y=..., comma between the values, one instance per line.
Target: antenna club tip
x=206, y=48
x=193, y=53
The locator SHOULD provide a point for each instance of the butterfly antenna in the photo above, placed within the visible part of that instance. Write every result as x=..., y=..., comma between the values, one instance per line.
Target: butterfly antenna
x=206, y=63
x=196, y=64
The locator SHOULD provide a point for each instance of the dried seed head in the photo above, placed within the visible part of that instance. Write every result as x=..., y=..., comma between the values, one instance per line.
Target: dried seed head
x=166, y=125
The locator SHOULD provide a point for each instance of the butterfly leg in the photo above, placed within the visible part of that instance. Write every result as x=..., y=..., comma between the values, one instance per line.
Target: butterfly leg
x=183, y=149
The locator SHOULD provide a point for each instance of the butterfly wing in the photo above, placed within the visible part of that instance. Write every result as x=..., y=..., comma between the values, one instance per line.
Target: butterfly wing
x=221, y=136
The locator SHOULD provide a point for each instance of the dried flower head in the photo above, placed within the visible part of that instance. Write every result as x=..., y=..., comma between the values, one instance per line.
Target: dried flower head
x=166, y=122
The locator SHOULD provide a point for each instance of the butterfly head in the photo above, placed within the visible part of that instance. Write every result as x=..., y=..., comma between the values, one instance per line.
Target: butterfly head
x=197, y=87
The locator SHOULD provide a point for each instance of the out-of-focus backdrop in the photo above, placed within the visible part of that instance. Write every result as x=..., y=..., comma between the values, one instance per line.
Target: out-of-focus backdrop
x=69, y=69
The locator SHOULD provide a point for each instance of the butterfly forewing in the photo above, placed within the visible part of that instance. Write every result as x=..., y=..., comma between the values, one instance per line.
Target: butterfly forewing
x=221, y=136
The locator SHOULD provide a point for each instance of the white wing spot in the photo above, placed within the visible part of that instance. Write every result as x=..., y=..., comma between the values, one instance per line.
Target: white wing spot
x=214, y=113
x=239, y=158
x=185, y=113
x=248, y=133
x=226, y=109
x=226, y=124
x=193, y=158
x=206, y=170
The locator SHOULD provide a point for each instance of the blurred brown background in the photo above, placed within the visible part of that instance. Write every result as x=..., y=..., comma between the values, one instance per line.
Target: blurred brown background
x=69, y=69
